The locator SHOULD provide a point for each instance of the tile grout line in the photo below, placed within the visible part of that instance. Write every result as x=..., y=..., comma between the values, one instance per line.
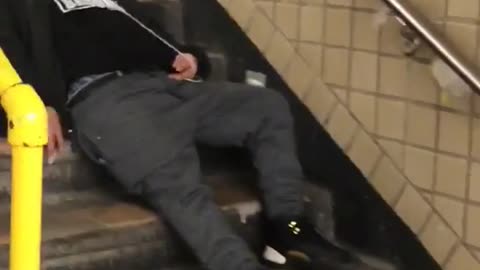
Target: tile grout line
x=436, y=148
x=322, y=42
x=472, y=247
x=399, y=196
x=470, y=154
x=468, y=176
x=413, y=101
x=448, y=196
x=351, y=52
x=451, y=253
x=356, y=132
x=377, y=163
x=423, y=227
x=403, y=142
x=298, y=40
x=324, y=47
x=377, y=86
x=426, y=148
x=329, y=115
x=471, y=145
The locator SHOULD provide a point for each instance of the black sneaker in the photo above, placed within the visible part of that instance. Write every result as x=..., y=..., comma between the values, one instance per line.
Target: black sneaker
x=293, y=243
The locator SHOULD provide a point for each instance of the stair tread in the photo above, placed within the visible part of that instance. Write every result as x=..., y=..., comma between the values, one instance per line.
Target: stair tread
x=118, y=215
x=61, y=224
x=98, y=226
x=102, y=230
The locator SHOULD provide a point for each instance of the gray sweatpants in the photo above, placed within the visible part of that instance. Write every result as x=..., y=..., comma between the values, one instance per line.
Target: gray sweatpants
x=144, y=126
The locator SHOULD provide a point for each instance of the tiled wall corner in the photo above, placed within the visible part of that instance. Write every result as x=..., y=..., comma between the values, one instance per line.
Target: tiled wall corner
x=438, y=238
x=364, y=152
x=335, y=66
x=388, y=180
x=279, y=51
x=322, y=101
x=342, y=126
x=413, y=208
x=260, y=29
x=421, y=126
x=395, y=150
x=473, y=230
x=363, y=107
x=419, y=167
x=423, y=148
x=474, y=182
x=299, y=84
x=452, y=211
x=462, y=259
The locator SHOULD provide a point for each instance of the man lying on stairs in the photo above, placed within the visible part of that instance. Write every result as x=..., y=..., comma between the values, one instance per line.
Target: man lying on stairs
x=138, y=110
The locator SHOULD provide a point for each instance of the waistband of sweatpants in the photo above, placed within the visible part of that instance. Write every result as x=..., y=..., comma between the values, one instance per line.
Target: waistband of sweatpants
x=87, y=90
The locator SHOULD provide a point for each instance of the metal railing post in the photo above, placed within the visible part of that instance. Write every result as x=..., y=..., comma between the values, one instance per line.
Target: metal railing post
x=27, y=134
x=437, y=41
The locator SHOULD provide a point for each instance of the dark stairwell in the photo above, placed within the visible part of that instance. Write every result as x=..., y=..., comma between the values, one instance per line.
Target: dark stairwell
x=90, y=224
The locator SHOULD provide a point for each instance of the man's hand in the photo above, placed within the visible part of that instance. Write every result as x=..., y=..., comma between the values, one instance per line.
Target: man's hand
x=186, y=67
x=55, y=135
x=5, y=149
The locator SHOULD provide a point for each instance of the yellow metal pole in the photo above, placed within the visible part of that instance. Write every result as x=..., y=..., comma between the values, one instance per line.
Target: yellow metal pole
x=27, y=133
x=26, y=208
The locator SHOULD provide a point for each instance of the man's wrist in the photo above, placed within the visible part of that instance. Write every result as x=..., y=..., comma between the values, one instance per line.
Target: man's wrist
x=50, y=109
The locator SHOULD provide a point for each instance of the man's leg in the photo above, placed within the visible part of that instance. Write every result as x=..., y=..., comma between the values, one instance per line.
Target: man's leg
x=260, y=119
x=144, y=135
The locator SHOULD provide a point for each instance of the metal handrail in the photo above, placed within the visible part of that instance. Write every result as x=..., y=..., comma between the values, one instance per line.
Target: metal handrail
x=422, y=26
x=27, y=134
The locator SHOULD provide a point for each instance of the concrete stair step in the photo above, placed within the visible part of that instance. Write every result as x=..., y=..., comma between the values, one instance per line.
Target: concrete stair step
x=69, y=172
x=89, y=226
x=73, y=180
x=113, y=235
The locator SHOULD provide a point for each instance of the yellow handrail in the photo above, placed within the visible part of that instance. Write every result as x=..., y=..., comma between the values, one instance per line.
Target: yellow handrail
x=27, y=134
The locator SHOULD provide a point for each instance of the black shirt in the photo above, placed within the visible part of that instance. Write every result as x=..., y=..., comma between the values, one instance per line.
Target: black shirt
x=98, y=40
x=29, y=29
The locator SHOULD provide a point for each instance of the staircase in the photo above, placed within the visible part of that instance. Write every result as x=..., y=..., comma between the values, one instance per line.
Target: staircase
x=90, y=223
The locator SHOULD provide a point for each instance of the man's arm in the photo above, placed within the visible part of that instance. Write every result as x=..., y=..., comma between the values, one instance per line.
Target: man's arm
x=153, y=18
x=15, y=50
x=202, y=60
